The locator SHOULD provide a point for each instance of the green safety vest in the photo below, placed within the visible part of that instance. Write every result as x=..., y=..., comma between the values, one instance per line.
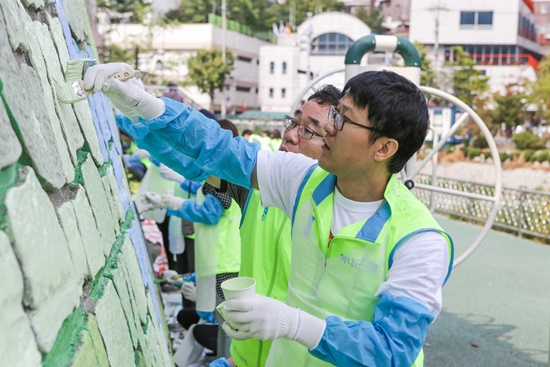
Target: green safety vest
x=228, y=251
x=263, y=141
x=275, y=144
x=146, y=161
x=265, y=256
x=341, y=277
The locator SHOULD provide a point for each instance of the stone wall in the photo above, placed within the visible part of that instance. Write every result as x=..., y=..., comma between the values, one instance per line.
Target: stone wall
x=77, y=286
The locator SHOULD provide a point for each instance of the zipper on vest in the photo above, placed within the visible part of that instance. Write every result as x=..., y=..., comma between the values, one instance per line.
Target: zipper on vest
x=330, y=238
x=276, y=258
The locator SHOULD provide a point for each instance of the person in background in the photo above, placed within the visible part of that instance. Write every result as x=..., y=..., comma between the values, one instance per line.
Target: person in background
x=369, y=260
x=173, y=93
x=275, y=141
x=246, y=134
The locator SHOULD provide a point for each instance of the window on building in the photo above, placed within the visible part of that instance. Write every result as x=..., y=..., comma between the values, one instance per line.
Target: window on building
x=485, y=18
x=467, y=17
x=270, y=92
x=331, y=44
x=283, y=93
x=242, y=89
x=476, y=19
x=284, y=67
x=244, y=58
x=544, y=8
x=271, y=67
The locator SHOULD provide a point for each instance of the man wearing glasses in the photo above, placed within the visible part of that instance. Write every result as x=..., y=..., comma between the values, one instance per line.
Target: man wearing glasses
x=368, y=259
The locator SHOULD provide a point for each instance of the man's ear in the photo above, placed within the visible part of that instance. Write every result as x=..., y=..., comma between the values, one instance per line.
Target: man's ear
x=387, y=147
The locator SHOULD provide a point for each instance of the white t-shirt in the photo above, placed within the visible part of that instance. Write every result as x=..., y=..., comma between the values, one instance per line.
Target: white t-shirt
x=419, y=266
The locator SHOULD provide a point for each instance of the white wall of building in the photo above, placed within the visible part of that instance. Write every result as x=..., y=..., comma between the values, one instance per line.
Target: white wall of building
x=292, y=49
x=174, y=44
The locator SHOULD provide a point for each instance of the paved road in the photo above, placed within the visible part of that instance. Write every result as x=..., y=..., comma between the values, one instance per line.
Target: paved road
x=496, y=304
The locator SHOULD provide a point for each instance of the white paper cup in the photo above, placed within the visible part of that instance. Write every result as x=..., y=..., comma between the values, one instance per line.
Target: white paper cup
x=240, y=287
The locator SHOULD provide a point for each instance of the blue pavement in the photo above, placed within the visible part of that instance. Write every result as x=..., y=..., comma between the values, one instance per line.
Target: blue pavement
x=496, y=305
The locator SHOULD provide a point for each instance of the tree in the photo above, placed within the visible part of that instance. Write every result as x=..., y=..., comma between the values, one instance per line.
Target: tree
x=427, y=75
x=207, y=71
x=541, y=88
x=373, y=19
x=511, y=105
x=469, y=84
x=136, y=8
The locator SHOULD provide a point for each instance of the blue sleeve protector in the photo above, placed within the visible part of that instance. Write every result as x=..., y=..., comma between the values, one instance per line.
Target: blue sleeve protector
x=191, y=278
x=212, y=148
x=154, y=161
x=394, y=338
x=134, y=159
x=190, y=186
x=209, y=212
x=207, y=316
x=162, y=151
x=220, y=362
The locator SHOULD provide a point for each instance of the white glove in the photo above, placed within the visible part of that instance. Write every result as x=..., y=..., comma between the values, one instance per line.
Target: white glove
x=172, y=202
x=170, y=174
x=150, y=201
x=141, y=153
x=266, y=318
x=189, y=291
x=129, y=96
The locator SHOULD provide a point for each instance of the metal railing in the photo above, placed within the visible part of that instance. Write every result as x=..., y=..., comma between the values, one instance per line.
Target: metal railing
x=524, y=212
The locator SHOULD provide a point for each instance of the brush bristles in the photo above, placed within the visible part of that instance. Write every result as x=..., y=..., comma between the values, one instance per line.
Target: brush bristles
x=65, y=93
x=77, y=68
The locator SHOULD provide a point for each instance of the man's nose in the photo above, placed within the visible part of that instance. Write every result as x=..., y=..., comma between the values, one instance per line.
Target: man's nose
x=292, y=135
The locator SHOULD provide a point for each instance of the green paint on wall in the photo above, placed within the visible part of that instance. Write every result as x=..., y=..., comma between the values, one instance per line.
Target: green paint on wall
x=67, y=341
x=8, y=179
x=81, y=156
x=104, y=274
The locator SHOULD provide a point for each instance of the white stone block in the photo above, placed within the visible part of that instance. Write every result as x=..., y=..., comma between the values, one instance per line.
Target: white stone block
x=88, y=232
x=10, y=148
x=97, y=198
x=40, y=245
x=113, y=328
x=69, y=224
x=17, y=344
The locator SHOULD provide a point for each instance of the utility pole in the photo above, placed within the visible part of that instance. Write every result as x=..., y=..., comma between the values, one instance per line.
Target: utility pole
x=437, y=9
x=224, y=28
x=308, y=45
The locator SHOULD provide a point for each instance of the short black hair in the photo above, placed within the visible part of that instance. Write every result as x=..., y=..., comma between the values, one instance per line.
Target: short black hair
x=228, y=125
x=247, y=132
x=396, y=107
x=327, y=94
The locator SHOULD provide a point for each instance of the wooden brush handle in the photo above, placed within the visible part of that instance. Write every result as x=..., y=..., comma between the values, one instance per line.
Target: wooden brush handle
x=123, y=75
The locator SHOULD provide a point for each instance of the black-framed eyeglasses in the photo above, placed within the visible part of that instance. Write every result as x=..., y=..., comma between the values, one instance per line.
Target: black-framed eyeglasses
x=339, y=120
x=303, y=131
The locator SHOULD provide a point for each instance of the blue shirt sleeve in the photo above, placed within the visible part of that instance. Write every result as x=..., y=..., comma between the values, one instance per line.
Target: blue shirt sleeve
x=209, y=212
x=162, y=151
x=212, y=148
x=393, y=338
x=190, y=186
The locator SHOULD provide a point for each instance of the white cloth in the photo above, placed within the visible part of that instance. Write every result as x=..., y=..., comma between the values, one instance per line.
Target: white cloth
x=419, y=266
x=170, y=174
x=150, y=201
x=189, y=291
x=129, y=96
x=266, y=318
x=172, y=202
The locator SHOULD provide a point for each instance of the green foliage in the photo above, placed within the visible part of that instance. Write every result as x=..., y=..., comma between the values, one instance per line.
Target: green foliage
x=427, y=75
x=373, y=19
x=469, y=84
x=541, y=87
x=542, y=156
x=504, y=156
x=190, y=11
x=510, y=106
x=480, y=142
x=207, y=70
x=472, y=152
x=528, y=140
x=138, y=8
x=528, y=155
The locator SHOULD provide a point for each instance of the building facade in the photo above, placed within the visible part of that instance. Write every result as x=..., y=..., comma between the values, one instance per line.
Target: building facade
x=318, y=47
x=173, y=45
x=500, y=36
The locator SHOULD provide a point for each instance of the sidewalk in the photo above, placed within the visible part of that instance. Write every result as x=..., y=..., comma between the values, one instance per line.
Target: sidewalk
x=496, y=304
